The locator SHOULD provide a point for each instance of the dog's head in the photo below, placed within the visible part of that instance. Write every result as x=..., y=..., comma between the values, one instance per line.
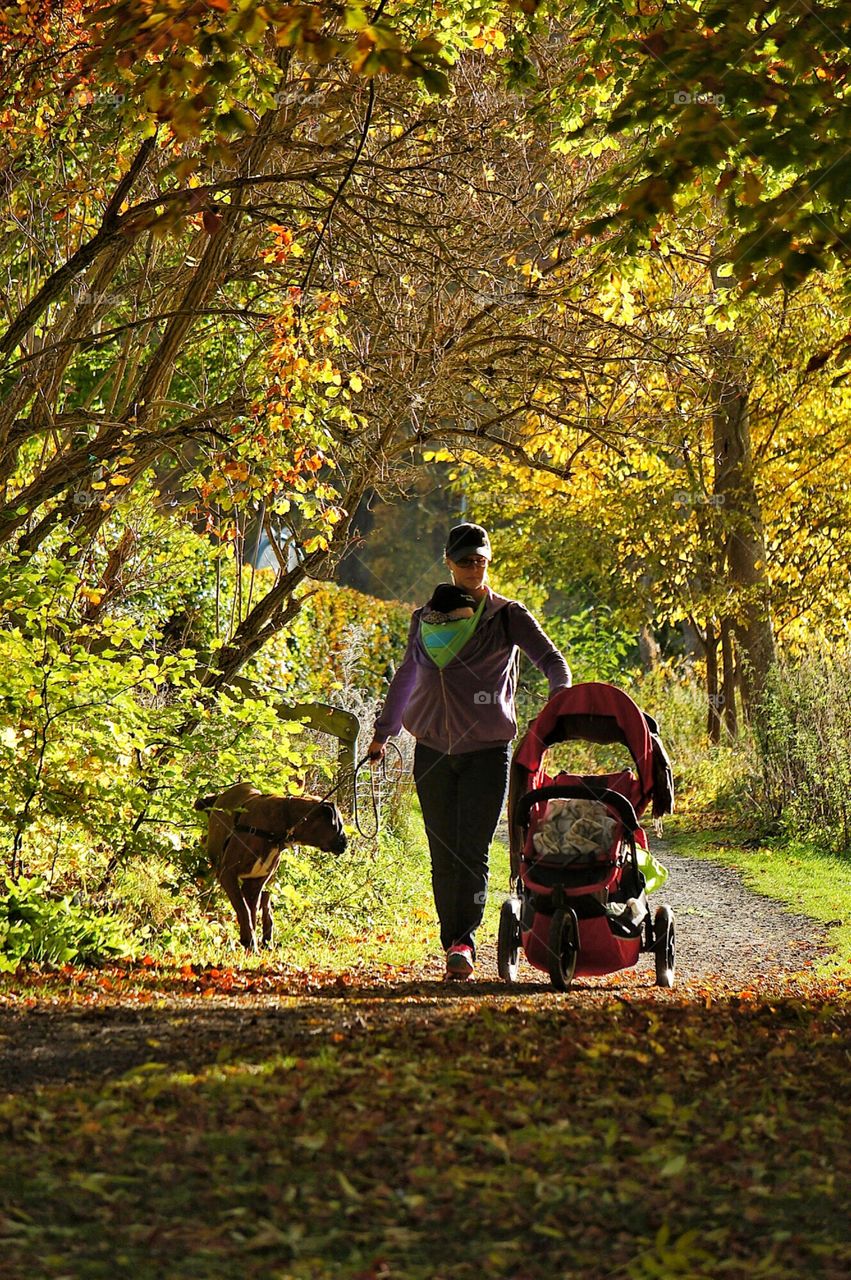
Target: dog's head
x=317, y=823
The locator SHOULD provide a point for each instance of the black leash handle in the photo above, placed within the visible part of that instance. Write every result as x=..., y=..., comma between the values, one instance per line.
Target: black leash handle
x=375, y=776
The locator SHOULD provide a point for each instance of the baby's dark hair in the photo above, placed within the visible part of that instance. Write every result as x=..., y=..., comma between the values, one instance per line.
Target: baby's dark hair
x=447, y=597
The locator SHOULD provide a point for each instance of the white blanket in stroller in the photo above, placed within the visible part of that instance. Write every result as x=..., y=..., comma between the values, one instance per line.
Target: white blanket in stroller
x=574, y=831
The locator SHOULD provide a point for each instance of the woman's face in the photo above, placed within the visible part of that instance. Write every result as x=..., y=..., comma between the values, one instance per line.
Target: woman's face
x=470, y=573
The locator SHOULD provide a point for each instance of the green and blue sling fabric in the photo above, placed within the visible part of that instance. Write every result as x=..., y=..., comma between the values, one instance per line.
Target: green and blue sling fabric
x=443, y=641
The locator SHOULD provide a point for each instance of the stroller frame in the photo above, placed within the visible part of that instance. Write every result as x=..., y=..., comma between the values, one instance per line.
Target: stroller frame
x=556, y=914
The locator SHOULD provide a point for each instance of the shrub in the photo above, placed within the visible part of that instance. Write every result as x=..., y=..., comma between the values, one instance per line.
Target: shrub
x=804, y=744
x=707, y=777
x=47, y=929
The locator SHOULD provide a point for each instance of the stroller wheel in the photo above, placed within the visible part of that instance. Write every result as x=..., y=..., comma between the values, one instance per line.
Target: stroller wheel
x=564, y=946
x=508, y=940
x=666, y=947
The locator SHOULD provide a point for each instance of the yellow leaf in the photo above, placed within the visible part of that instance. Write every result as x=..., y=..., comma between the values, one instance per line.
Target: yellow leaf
x=350, y=1192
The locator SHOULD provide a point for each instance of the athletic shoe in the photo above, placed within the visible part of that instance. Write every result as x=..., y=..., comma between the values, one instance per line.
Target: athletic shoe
x=459, y=962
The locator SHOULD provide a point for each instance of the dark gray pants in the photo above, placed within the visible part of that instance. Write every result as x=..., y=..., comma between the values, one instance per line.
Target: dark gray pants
x=461, y=798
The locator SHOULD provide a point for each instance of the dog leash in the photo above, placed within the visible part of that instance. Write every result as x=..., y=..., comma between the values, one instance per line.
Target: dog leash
x=376, y=777
x=285, y=836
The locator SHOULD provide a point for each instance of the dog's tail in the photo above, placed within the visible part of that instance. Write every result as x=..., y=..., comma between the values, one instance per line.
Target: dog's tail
x=204, y=802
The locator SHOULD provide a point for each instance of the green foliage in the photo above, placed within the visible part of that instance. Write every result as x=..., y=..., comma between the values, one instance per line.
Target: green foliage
x=805, y=750
x=707, y=777
x=598, y=645
x=341, y=640
x=37, y=926
x=751, y=97
x=107, y=734
x=236, y=64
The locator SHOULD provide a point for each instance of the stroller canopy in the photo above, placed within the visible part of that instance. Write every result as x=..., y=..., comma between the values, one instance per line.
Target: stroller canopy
x=597, y=712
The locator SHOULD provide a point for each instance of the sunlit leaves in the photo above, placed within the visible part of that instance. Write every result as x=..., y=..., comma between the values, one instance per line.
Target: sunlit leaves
x=750, y=98
x=203, y=67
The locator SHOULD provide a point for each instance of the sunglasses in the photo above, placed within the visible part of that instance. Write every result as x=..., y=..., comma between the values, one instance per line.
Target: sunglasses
x=468, y=562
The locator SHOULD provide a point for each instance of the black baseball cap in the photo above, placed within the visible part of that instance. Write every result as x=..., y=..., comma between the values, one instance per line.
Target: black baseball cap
x=468, y=540
x=447, y=597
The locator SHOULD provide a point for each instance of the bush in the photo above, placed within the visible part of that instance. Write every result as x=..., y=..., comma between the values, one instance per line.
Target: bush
x=707, y=777
x=46, y=929
x=804, y=744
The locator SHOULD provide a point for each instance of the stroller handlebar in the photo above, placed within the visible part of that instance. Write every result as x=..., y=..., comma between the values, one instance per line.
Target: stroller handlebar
x=588, y=791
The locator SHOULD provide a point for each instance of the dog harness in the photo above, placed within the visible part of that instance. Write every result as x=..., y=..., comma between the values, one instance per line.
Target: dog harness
x=264, y=865
x=277, y=837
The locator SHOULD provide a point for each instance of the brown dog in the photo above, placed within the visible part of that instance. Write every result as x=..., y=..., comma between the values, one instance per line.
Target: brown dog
x=246, y=833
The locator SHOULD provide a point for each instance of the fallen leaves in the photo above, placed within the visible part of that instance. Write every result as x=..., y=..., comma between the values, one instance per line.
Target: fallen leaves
x=320, y=1126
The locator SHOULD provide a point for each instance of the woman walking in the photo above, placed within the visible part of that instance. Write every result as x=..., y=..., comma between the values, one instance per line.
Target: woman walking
x=454, y=691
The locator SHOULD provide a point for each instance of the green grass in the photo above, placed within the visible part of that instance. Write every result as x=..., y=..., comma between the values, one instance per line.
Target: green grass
x=804, y=877
x=371, y=906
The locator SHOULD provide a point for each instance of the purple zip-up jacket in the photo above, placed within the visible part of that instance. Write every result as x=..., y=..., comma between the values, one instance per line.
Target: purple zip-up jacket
x=469, y=704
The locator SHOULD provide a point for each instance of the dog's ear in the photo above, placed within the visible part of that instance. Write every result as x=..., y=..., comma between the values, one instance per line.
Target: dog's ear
x=203, y=803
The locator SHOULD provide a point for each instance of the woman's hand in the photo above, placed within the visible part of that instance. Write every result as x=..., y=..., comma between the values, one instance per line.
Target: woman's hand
x=375, y=751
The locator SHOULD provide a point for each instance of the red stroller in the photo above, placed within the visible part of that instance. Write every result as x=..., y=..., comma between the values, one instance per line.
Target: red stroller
x=580, y=907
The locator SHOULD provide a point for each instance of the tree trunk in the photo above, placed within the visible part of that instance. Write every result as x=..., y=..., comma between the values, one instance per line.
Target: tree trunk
x=728, y=679
x=735, y=494
x=692, y=640
x=713, y=715
x=648, y=648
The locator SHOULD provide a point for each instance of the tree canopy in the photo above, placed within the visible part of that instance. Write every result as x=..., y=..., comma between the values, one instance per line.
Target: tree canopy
x=263, y=264
x=749, y=100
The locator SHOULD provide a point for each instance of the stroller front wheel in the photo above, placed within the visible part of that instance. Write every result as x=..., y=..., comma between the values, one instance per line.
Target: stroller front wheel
x=508, y=940
x=563, y=948
x=665, y=947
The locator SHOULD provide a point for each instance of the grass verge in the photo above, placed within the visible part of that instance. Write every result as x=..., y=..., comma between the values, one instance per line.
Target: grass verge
x=372, y=903
x=807, y=879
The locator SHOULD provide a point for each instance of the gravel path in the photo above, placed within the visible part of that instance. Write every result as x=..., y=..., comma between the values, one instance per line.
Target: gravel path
x=724, y=931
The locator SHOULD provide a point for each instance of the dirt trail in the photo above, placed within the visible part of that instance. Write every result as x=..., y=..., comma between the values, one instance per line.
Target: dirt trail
x=727, y=936
x=724, y=930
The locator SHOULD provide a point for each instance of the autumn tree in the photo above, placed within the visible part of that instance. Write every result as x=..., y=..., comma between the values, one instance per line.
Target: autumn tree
x=653, y=532
x=748, y=98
